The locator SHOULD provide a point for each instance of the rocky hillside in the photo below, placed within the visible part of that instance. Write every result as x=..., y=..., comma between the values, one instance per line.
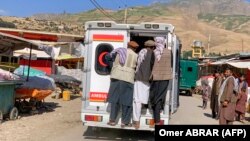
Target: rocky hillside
x=30, y=23
x=236, y=23
x=226, y=21
x=224, y=7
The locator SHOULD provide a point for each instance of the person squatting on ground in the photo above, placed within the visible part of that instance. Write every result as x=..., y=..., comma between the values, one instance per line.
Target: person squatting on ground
x=214, y=94
x=161, y=74
x=143, y=72
x=242, y=99
x=206, y=91
x=227, y=99
x=122, y=83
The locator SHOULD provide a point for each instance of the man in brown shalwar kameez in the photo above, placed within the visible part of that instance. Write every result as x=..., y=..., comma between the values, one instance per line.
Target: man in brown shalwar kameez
x=214, y=94
x=227, y=99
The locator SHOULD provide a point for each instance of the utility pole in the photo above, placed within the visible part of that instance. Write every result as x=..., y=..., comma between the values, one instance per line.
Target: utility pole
x=125, y=14
x=208, y=44
x=242, y=45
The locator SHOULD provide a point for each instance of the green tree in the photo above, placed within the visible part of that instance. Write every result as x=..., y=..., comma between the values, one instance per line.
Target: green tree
x=7, y=24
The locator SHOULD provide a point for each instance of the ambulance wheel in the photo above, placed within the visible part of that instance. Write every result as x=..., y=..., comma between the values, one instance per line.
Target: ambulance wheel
x=1, y=117
x=13, y=113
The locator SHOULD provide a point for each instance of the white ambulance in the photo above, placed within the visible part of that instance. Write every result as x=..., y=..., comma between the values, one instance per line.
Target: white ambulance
x=102, y=37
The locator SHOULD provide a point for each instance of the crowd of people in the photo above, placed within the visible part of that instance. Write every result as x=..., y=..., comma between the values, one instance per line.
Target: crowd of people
x=142, y=78
x=138, y=79
x=228, y=96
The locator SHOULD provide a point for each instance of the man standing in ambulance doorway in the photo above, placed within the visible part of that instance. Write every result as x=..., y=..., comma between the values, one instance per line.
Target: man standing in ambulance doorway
x=161, y=74
x=143, y=72
x=122, y=83
x=227, y=99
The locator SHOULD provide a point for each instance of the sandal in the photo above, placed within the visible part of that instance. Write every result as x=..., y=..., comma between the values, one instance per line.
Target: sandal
x=111, y=123
x=126, y=125
x=242, y=121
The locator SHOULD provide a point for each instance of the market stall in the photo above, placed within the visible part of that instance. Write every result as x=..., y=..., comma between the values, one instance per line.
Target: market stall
x=9, y=44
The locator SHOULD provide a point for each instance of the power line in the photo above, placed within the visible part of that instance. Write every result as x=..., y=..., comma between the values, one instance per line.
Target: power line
x=99, y=7
x=125, y=5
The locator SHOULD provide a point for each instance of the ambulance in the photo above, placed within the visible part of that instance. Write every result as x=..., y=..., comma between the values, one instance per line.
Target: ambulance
x=101, y=37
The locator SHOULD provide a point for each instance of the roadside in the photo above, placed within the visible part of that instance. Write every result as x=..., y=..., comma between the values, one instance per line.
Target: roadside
x=40, y=127
x=247, y=115
x=64, y=123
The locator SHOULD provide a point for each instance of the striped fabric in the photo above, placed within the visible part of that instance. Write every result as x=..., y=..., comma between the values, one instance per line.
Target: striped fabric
x=160, y=44
x=122, y=54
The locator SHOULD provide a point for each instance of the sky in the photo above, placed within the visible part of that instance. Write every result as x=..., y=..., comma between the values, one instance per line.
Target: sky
x=26, y=8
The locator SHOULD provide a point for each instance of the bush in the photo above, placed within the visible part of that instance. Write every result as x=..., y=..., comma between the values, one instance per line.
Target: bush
x=7, y=24
x=186, y=54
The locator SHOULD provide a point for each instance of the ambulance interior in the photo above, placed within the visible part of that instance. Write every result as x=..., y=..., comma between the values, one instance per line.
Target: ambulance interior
x=141, y=38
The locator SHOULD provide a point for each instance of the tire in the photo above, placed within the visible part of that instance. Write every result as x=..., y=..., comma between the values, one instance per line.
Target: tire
x=13, y=113
x=39, y=104
x=1, y=117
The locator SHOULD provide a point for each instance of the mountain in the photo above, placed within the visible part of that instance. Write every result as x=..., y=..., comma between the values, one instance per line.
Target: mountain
x=222, y=7
x=226, y=21
x=29, y=23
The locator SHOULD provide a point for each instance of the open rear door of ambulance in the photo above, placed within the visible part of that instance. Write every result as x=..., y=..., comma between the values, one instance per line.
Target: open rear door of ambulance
x=100, y=39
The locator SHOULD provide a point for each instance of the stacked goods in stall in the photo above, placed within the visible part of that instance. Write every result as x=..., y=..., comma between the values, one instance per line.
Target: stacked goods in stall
x=39, y=82
x=36, y=79
x=6, y=75
x=75, y=73
x=70, y=79
x=23, y=70
x=66, y=82
x=36, y=88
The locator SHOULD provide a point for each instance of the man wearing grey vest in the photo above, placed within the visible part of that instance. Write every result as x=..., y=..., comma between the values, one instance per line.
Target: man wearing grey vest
x=143, y=72
x=122, y=84
x=161, y=74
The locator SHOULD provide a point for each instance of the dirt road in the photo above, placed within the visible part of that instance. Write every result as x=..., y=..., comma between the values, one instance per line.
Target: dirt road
x=64, y=124
x=46, y=124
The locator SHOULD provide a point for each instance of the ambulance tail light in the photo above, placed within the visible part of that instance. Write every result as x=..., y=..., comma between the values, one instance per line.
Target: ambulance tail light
x=94, y=118
x=151, y=122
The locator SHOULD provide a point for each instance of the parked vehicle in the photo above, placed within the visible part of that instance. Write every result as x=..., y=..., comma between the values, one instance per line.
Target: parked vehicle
x=101, y=37
x=188, y=75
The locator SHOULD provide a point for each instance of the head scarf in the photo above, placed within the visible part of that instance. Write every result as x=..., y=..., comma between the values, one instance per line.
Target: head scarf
x=160, y=44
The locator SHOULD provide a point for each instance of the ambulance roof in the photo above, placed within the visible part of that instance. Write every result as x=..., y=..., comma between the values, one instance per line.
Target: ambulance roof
x=141, y=26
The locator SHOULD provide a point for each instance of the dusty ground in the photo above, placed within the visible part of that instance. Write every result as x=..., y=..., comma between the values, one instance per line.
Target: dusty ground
x=64, y=124
x=47, y=124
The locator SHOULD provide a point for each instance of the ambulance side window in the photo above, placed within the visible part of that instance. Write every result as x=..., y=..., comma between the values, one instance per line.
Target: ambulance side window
x=101, y=66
